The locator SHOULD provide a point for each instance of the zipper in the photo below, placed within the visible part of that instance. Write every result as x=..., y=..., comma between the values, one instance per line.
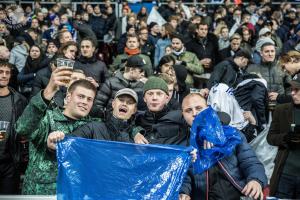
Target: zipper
x=231, y=179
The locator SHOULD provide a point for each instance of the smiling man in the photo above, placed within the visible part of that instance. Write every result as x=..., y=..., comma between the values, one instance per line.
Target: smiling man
x=40, y=176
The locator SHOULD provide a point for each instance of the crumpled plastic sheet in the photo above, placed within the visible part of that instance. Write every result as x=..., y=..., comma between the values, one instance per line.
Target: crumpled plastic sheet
x=93, y=169
x=207, y=126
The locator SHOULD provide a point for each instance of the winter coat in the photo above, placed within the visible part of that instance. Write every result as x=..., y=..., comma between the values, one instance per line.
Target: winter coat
x=111, y=129
x=122, y=58
x=226, y=72
x=41, y=173
x=14, y=147
x=92, y=68
x=18, y=56
x=239, y=168
x=271, y=73
x=280, y=126
x=98, y=24
x=192, y=64
x=164, y=127
x=41, y=80
x=109, y=89
x=160, y=49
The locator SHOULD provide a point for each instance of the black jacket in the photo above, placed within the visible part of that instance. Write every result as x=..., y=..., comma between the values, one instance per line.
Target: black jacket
x=15, y=148
x=41, y=80
x=226, y=72
x=164, y=127
x=112, y=129
x=92, y=68
x=108, y=90
x=207, y=48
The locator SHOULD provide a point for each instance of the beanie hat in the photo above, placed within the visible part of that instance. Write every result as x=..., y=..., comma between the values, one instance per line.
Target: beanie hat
x=52, y=17
x=151, y=25
x=156, y=83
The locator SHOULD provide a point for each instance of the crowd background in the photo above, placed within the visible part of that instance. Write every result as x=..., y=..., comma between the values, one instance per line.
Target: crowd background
x=193, y=46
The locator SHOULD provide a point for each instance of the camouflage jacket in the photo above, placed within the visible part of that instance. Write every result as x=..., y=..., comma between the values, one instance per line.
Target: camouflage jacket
x=192, y=64
x=37, y=122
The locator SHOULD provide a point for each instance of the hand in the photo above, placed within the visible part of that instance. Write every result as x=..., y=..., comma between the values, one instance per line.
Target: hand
x=140, y=139
x=273, y=96
x=205, y=62
x=253, y=189
x=69, y=55
x=92, y=81
x=58, y=76
x=194, y=155
x=207, y=145
x=184, y=197
x=204, y=92
x=249, y=117
x=53, y=138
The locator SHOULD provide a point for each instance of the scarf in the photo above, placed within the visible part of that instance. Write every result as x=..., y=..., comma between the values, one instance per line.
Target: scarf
x=131, y=52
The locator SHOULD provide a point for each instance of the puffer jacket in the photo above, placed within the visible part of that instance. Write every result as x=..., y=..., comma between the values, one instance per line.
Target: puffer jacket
x=108, y=90
x=271, y=73
x=164, y=127
x=239, y=168
x=92, y=68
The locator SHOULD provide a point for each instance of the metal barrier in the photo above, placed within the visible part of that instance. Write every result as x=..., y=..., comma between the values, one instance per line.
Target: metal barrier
x=27, y=197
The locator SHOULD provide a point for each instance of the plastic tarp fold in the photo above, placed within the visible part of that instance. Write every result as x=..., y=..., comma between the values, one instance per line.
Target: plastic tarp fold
x=207, y=127
x=93, y=169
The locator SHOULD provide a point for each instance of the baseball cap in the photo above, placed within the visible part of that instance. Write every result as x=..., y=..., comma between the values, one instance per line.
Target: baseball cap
x=136, y=61
x=295, y=82
x=127, y=91
x=263, y=31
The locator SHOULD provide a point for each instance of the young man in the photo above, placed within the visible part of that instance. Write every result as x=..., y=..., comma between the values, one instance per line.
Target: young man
x=40, y=177
x=285, y=133
x=12, y=105
x=238, y=175
x=161, y=125
x=130, y=78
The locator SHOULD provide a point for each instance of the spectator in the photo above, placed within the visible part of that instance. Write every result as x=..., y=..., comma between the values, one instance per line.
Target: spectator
x=51, y=33
x=186, y=58
x=146, y=46
x=154, y=33
x=64, y=36
x=88, y=63
x=165, y=40
x=130, y=30
x=235, y=44
x=132, y=48
x=168, y=10
x=285, y=133
x=205, y=46
x=35, y=61
x=269, y=70
x=12, y=105
x=40, y=176
x=98, y=23
x=223, y=38
x=161, y=125
x=5, y=37
x=245, y=175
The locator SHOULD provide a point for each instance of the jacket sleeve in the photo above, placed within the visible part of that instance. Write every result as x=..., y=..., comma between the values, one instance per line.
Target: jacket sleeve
x=92, y=130
x=216, y=76
x=249, y=164
x=32, y=115
x=36, y=85
x=156, y=56
x=275, y=137
x=102, y=99
x=23, y=77
x=186, y=187
x=194, y=65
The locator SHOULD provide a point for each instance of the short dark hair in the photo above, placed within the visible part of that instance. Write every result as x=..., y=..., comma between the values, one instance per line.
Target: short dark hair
x=267, y=44
x=4, y=63
x=165, y=59
x=83, y=83
x=131, y=36
x=91, y=40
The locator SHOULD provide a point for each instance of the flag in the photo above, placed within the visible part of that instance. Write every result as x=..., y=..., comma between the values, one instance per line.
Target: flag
x=93, y=169
x=154, y=16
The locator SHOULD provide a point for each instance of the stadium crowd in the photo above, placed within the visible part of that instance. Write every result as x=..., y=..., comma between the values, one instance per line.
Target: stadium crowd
x=141, y=80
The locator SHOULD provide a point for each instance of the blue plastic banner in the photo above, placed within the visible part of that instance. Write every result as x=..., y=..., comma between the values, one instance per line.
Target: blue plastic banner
x=93, y=169
x=207, y=126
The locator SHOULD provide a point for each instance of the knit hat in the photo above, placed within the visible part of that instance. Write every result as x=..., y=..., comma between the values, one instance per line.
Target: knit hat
x=156, y=83
x=52, y=17
x=151, y=25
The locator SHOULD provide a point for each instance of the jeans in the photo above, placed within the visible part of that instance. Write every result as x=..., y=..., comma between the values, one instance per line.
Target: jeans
x=288, y=187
